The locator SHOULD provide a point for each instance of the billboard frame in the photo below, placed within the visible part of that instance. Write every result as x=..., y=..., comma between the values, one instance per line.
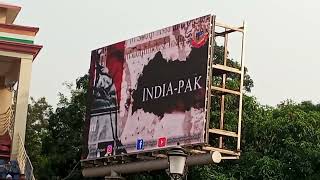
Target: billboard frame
x=203, y=72
x=151, y=159
x=209, y=77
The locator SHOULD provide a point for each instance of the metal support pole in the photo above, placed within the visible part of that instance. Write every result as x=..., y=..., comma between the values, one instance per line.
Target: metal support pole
x=152, y=165
x=241, y=86
x=224, y=76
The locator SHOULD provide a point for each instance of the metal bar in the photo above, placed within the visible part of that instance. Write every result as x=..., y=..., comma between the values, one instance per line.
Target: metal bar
x=241, y=88
x=223, y=151
x=219, y=24
x=24, y=162
x=226, y=69
x=224, y=76
x=225, y=90
x=136, y=167
x=223, y=132
x=224, y=33
x=229, y=157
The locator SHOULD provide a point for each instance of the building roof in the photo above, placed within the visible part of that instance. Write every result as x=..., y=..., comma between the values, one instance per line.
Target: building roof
x=12, y=11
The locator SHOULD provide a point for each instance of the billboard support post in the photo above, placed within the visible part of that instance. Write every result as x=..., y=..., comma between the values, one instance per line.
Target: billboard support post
x=241, y=84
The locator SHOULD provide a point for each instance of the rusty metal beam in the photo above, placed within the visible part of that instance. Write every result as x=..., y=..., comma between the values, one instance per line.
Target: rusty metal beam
x=143, y=166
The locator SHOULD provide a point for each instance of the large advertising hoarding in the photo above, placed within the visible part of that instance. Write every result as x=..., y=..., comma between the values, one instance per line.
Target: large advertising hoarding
x=149, y=92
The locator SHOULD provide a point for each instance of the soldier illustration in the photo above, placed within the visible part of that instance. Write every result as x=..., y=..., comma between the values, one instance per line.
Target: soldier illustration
x=103, y=133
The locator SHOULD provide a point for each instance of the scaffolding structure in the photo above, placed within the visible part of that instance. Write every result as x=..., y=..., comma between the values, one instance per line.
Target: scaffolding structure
x=198, y=154
x=221, y=91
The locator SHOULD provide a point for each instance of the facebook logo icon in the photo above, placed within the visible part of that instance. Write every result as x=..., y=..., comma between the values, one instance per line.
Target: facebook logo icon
x=140, y=144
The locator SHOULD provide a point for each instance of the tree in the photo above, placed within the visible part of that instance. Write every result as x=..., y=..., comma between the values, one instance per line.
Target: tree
x=62, y=145
x=54, y=138
x=277, y=143
x=36, y=128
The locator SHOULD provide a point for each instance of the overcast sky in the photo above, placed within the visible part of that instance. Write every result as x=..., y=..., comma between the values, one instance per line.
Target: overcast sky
x=281, y=48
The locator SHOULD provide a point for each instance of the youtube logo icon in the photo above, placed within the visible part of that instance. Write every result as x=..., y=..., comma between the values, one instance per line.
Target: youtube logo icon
x=162, y=142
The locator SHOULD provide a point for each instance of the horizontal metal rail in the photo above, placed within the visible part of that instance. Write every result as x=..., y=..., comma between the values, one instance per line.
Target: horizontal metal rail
x=220, y=24
x=223, y=132
x=24, y=162
x=151, y=165
x=226, y=91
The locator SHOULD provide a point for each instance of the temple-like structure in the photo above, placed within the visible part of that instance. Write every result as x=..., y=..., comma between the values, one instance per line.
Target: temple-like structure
x=17, y=52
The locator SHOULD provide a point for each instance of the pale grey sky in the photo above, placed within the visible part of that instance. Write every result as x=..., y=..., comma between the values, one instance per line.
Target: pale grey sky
x=281, y=49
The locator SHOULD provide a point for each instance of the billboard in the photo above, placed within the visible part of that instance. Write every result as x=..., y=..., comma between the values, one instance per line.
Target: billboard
x=149, y=92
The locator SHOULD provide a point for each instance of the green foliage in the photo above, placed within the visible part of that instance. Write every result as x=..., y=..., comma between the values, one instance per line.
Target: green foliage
x=36, y=129
x=58, y=148
x=280, y=142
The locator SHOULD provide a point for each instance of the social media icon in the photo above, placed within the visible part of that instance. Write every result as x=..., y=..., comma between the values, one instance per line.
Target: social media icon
x=109, y=149
x=162, y=142
x=140, y=144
